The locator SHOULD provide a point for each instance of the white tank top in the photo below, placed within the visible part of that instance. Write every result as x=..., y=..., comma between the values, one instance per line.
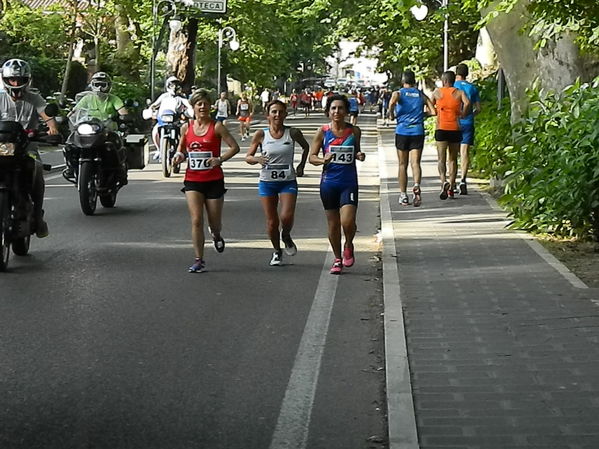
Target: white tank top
x=280, y=153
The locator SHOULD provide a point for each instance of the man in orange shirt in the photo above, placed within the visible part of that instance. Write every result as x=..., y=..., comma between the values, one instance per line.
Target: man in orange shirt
x=451, y=105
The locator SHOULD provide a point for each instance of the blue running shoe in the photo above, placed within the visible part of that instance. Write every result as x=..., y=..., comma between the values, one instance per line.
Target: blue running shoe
x=198, y=266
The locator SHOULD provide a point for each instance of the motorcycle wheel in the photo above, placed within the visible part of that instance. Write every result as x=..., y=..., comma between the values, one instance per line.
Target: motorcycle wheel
x=4, y=231
x=21, y=246
x=109, y=199
x=165, y=148
x=88, y=195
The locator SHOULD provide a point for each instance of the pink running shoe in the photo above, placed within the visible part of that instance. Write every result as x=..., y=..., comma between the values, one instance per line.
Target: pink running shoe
x=348, y=257
x=337, y=267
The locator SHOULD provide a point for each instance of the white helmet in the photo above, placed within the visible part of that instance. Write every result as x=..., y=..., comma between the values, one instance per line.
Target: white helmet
x=172, y=85
x=100, y=82
x=19, y=70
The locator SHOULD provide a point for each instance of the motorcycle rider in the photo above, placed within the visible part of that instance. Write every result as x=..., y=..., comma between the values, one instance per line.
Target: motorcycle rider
x=18, y=104
x=170, y=100
x=104, y=106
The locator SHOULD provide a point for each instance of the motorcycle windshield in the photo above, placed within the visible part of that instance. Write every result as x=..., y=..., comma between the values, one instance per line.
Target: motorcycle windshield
x=91, y=108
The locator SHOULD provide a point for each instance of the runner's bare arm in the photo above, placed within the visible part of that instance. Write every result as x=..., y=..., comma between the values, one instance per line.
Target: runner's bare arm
x=315, y=149
x=392, y=103
x=250, y=156
x=358, y=148
x=181, y=153
x=226, y=137
x=298, y=137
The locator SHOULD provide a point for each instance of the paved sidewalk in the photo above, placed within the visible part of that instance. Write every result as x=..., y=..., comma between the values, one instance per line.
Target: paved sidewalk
x=503, y=349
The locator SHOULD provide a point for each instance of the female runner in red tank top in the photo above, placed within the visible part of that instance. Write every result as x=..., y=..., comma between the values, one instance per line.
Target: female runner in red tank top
x=451, y=104
x=204, y=184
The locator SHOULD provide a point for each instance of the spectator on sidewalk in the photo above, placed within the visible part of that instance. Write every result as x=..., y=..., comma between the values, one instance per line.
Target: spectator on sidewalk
x=450, y=104
x=466, y=123
x=407, y=105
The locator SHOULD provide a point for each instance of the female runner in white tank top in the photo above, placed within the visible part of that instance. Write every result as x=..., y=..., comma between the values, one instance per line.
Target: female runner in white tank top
x=278, y=176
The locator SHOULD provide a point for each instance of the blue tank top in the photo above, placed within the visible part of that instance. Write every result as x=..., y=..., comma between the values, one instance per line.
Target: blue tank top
x=409, y=112
x=342, y=168
x=353, y=104
x=474, y=97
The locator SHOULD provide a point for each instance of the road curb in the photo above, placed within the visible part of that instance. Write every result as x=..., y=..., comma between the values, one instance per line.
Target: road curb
x=401, y=415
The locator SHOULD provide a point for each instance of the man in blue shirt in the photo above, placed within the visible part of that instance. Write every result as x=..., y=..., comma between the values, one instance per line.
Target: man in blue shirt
x=407, y=105
x=466, y=123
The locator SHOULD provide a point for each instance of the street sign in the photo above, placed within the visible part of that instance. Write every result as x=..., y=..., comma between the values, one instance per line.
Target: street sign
x=211, y=6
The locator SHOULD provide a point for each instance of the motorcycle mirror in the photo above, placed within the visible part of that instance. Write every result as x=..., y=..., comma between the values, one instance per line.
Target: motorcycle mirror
x=51, y=109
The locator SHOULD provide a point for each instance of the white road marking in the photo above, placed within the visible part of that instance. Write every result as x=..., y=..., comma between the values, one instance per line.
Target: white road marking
x=293, y=424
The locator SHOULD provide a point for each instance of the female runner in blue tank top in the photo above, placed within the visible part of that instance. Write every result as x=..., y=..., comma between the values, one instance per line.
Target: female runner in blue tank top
x=407, y=105
x=340, y=144
x=277, y=176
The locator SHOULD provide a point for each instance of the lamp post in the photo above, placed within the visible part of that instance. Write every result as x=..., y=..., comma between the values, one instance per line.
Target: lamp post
x=420, y=12
x=229, y=34
x=174, y=25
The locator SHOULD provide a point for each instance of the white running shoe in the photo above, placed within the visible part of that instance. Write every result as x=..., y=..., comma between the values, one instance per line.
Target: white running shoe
x=277, y=258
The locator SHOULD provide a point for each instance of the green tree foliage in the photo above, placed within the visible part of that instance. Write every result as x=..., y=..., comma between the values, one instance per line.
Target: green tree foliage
x=554, y=182
x=553, y=18
x=405, y=42
x=550, y=19
x=549, y=160
x=30, y=32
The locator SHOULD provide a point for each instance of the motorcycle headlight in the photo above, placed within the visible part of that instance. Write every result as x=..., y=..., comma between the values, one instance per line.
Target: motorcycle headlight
x=87, y=129
x=7, y=149
x=168, y=118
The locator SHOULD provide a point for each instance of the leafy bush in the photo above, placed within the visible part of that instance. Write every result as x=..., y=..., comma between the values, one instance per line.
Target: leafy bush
x=489, y=156
x=554, y=181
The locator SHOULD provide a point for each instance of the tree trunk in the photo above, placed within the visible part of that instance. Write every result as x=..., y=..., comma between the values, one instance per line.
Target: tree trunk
x=555, y=66
x=67, y=70
x=123, y=37
x=181, y=54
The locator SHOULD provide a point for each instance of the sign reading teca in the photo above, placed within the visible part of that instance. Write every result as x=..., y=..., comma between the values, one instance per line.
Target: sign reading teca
x=211, y=6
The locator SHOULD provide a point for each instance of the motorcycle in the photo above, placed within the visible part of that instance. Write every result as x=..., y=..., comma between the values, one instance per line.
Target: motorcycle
x=98, y=156
x=169, y=131
x=17, y=223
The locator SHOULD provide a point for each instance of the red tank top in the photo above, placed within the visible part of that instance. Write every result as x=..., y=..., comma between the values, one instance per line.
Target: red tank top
x=204, y=146
x=448, y=110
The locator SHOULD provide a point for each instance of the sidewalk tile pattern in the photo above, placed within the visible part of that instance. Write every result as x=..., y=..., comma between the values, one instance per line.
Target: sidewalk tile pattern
x=504, y=352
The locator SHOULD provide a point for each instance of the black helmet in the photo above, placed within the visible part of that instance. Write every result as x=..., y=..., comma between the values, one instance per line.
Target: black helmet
x=16, y=69
x=100, y=82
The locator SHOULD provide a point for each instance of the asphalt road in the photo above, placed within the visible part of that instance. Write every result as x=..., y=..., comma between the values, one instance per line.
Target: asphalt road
x=107, y=342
